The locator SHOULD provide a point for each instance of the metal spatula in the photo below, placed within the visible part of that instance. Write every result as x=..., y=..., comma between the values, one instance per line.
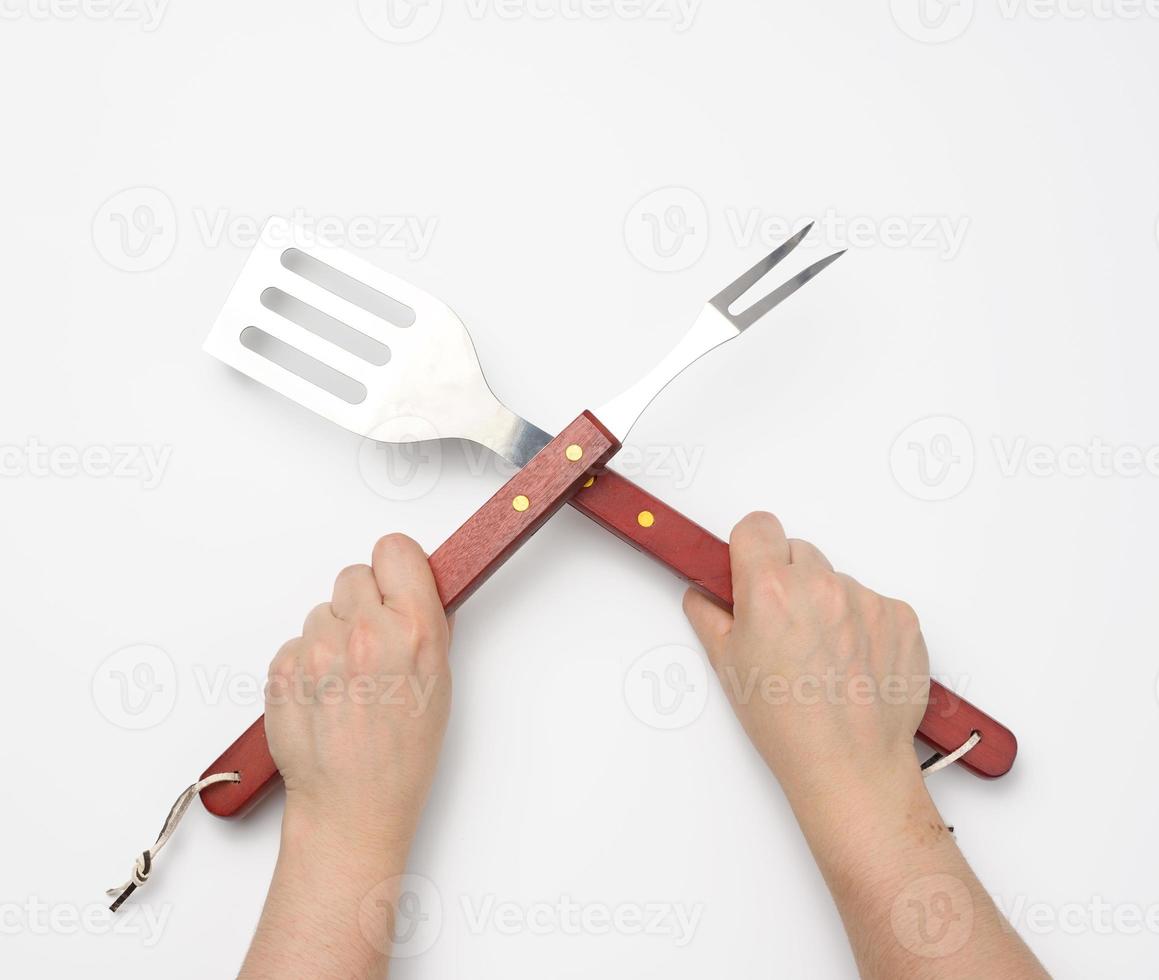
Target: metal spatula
x=375, y=353
x=388, y=361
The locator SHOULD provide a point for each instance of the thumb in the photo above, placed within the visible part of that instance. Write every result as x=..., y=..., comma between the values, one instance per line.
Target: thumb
x=711, y=623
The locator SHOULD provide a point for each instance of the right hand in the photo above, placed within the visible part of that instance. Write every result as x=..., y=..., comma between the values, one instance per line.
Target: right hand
x=829, y=679
x=357, y=705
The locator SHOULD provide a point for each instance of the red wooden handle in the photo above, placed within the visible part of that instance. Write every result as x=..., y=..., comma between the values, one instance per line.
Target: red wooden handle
x=460, y=565
x=701, y=559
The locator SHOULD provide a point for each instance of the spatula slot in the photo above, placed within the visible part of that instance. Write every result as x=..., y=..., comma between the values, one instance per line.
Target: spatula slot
x=343, y=286
x=303, y=365
x=325, y=326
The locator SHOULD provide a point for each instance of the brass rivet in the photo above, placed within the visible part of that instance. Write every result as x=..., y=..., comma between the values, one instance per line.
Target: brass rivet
x=591, y=480
x=645, y=518
x=574, y=452
x=521, y=503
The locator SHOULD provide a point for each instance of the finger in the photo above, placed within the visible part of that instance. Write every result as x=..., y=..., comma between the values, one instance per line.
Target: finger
x=758, y=540
x=757, y=549
x=354, y=588
x=284, y=659
x=808, y=555
x=282, y=674
x=404, y=577
x=320, y=621
x=711, y=623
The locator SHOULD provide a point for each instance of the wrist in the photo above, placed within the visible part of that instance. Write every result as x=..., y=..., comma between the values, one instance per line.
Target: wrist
x=869, y=827
x=859, y=805
x=344, y=842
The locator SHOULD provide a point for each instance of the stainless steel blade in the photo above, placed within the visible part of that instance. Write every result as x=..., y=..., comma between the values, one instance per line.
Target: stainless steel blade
x=384, y=359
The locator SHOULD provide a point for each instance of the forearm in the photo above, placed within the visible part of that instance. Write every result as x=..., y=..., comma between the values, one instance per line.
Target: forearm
x=911, y=905
x=327, y=914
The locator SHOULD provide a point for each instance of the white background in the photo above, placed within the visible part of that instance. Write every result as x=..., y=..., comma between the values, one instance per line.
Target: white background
x=528, y=143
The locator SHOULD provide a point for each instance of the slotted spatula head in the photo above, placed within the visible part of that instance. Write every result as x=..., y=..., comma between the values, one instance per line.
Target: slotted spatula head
x=360, y=347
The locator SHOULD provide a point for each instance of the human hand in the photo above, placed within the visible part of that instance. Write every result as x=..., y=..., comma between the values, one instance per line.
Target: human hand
x=830, y=681
x=828, y=678
x=356, y=707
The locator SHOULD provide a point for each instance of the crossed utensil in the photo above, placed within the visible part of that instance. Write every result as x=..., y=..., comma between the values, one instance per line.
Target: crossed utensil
x=386, y=360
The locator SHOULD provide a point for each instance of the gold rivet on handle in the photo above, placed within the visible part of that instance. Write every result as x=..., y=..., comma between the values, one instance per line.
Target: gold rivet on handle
x=645, y=518
x=574, y=452
x=591, y=480
x=521, y=503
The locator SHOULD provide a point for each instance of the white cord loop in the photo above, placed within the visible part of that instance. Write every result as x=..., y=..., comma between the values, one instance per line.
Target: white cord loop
x=143, y=866
x=938, y=761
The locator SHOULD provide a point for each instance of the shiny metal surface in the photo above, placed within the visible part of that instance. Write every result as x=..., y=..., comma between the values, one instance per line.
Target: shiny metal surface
x=713, y=327
x=418, y=377
x=431, y=387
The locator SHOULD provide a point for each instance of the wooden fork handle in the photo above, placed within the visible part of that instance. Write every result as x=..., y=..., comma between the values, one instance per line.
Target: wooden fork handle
x=702, y=560
x=460, y=565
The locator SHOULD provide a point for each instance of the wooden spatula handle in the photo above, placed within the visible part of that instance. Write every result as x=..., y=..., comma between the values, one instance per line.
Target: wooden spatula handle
x=701, y=559
x=460, y=565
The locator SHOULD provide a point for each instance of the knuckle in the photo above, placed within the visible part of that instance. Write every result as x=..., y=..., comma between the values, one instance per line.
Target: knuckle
x=351, y=574
x=365, y=645
x=318, y=658
x=768, y=587
x=832, y=591
x=317, y=615
x=391, y=545
x=417, y=635
x=906, y=616
x=283, y=663
x=758, y=523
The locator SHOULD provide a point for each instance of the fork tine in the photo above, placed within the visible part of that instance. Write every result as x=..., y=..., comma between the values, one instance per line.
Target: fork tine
x=762, y=306
x=735, y=289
